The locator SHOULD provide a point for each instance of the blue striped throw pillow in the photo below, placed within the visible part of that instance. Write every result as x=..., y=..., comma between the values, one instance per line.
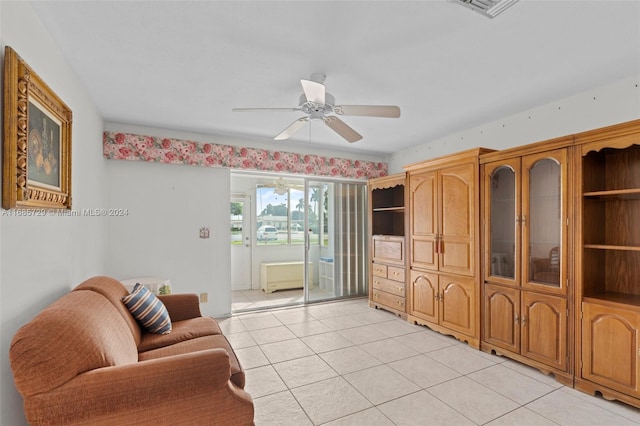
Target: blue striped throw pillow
x=148, y=310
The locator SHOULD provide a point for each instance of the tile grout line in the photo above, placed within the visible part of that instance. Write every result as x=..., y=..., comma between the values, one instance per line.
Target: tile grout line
x=318, y=354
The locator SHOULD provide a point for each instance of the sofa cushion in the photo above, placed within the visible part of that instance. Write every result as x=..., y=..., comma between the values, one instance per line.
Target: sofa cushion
x=114, y=291
x=182, y=331
x=148, y=310
x=198, y=344
x=79, y=332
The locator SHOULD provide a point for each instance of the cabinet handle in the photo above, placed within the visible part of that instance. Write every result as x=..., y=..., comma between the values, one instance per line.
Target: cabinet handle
x=524, y=219
x=401, y=288
x=516, y=319
x=439, y=244
x=437, y=297
x=524, y=320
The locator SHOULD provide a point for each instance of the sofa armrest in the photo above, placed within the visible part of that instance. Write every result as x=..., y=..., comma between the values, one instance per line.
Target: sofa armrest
x=182, y=385
x=181, y=306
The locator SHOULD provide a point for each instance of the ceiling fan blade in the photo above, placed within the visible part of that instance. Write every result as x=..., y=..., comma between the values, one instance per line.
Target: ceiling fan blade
x=264, y=109
x=341, y=128
x=389, y=111
x=294, y=127
x=313, y=91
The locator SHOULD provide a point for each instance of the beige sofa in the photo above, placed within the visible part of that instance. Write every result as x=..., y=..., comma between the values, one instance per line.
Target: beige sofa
x=85, y=360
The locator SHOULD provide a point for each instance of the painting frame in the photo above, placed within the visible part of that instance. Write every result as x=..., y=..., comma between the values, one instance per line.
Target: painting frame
x=36, y=165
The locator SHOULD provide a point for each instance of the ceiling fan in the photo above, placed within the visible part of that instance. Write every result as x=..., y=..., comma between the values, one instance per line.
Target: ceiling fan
x=281, y=187
x=318, y=104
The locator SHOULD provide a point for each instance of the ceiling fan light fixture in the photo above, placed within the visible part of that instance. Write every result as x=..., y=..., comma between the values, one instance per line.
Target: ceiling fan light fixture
x=488, y=8
x=317, y=104
x=309, y=107
x=281, y=188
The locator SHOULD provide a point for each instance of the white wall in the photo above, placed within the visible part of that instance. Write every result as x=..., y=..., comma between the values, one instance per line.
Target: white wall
x=603, y=106
x=166, y=207
x=41, y=258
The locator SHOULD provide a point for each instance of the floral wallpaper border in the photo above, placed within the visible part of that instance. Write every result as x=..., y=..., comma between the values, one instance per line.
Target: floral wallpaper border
x=127, y=146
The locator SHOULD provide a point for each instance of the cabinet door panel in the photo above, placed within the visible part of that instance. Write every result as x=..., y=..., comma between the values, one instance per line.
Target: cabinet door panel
x=610, y=347
x=423, y=193
x=501, y=203
x=423, y=219
x=544, y=329
x=423, y=253
x=457, y=219
x=424, y=296
x=502, y=317
x=544, y=221
x=458, y=303
x=388, y=249
x=457, y=257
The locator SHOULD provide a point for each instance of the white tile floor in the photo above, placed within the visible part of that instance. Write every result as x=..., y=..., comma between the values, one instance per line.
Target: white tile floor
x=344, y=363
x=246, y=300
x=242, y=300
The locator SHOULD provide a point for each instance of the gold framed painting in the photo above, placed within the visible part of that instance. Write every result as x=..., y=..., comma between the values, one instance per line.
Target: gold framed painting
x=36, y=167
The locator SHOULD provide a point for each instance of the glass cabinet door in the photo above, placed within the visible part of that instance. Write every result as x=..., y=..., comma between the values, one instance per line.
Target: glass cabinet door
x=543, y=220
x=502, y=190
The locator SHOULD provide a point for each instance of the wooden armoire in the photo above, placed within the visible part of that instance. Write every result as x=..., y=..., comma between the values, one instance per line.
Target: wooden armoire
x=527, y=230
x=443, y=289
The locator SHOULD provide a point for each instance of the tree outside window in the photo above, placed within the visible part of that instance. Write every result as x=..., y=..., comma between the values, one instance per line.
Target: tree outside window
x=285, y=212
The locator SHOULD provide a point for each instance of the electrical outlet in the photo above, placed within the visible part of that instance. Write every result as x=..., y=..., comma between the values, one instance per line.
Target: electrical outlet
x=204, y=297
x=204, y=232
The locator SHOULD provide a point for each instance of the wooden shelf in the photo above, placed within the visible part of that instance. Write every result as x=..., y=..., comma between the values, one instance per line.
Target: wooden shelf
x=386, y=203
x=618, y=300
x=621, y=194
x=389, y=209
x=611, y=247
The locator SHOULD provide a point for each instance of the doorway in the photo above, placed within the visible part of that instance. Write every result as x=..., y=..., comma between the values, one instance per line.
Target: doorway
x=305, y=238
x=240, y=210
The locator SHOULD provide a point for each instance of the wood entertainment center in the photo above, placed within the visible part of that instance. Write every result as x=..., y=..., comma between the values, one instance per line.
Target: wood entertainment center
x=531, y=252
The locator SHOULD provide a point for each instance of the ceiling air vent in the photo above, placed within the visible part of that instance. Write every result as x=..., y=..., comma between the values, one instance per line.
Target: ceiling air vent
x=489, y=8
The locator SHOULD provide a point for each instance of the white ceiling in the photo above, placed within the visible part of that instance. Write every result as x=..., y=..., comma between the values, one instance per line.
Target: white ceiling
x=184, y=65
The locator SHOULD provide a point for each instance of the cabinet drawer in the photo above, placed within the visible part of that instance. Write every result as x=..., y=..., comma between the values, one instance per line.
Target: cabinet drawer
x=388, y=299
x=389, y=286
x=396, y=274
x=379, y=270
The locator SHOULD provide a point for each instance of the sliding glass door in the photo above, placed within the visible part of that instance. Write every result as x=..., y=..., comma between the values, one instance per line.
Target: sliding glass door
x=335, y=245
x=296, y=240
